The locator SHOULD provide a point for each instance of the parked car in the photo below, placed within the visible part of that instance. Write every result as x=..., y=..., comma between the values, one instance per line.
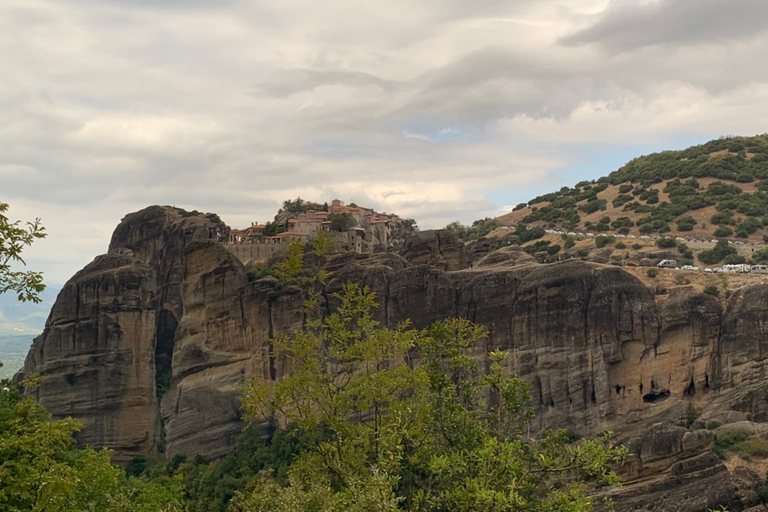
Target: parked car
x=668, y=264
x=630, y=264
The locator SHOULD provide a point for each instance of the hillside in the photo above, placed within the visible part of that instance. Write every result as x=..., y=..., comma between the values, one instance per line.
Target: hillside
x=717, y=190
x=668, y=192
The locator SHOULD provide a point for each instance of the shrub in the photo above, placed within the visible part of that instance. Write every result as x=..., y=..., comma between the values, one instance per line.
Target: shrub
x=666, y=242
x=603, y=240
x=569, y=242
x=691, y=413
x=734, y=259
x=621, y=245
x=637, y=247
x=625, y=188
x=541, y=245
x=581, y=253
x=553, y=249
x=723, y=231
x=722, y=218
x=721, y=250
x=681, y=280
x=712, y=290
x=652, y=272
x=686, y=223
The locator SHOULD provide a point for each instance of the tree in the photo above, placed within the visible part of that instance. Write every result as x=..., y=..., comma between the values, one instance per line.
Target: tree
x=403, y=419
x=323, y=244
x=40, y=468
x=14, y=238
x=342, y=221
x=293, y=263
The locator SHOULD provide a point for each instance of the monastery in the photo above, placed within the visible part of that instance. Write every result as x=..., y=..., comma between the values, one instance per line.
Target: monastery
x=371, y=229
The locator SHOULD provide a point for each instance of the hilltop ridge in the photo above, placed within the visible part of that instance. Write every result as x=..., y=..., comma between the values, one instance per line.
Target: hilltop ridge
x=693, y=197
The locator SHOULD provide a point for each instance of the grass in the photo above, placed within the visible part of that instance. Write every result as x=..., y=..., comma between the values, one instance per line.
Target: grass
x=740, y=443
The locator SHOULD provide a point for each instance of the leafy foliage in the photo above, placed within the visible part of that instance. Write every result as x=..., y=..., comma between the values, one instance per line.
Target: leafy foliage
x=478, y=229
x=41, y=470
x=14, y=238
x=341, y=221
x=404, y=419
x=717, y=254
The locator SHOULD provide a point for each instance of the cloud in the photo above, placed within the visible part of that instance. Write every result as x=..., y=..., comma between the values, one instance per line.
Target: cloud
x=628, y=25
x=290, y=81
x=438, y=110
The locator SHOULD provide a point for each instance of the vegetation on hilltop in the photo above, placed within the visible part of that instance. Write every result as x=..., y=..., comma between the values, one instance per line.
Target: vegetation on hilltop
x=729, y=176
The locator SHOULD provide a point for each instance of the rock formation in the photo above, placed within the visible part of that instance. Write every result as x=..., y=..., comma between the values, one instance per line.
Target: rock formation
x=602, y=350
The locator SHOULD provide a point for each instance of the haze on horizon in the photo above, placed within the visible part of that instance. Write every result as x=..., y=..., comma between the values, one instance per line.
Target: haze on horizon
x=437, y=110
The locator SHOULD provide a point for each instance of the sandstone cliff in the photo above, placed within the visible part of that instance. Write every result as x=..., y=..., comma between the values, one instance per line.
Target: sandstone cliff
x=601, y=349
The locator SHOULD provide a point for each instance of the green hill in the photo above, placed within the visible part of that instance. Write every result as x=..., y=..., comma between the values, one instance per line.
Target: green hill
x=717, y=189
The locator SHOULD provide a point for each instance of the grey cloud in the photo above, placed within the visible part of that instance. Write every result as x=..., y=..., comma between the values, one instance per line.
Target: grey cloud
x=286, y=82
x=497, y=82
x=626, y=25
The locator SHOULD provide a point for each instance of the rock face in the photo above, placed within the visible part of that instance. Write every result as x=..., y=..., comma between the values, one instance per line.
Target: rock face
x=169, y=305
x=109, y=338
x=96, y=355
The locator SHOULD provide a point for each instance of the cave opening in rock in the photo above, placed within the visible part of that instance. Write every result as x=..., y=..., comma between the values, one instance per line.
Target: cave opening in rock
x=656, y=395
x=618, y=389
x=706, y=382
x=690, y=389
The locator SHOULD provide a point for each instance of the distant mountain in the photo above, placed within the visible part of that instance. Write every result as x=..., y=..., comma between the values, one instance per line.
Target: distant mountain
x=20, y=322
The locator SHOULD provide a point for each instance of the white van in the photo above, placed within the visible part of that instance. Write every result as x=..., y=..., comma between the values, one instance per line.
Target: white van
x=737, y=268
x=667, y=264
x=759, y=269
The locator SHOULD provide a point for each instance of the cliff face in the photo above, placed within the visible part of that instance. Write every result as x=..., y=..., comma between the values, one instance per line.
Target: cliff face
x=96, y=355
x=601, y=349
x=109, y=337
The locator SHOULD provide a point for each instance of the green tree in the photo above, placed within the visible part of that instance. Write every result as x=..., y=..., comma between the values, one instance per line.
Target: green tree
x=403, y=419
x=323, y=244
x=293, y=263
x=41, y=470
x=14, y=238
x=342, y=221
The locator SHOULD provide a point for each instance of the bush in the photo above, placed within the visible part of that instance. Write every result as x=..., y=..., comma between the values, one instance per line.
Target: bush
x=637, y=247
x=712, y=290
x=721, y=250
x=691, y=413
x=569, y=242
x=681, y=280
x=652, y=272
x=621, y=245
x=581, y=253
x=686, y=223
x=734, y=259
x=723, y=231
x=603, y=240
x=553, y=249
x=666, y=242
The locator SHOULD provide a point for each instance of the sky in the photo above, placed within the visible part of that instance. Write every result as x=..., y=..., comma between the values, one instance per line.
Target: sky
x=438, y=110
